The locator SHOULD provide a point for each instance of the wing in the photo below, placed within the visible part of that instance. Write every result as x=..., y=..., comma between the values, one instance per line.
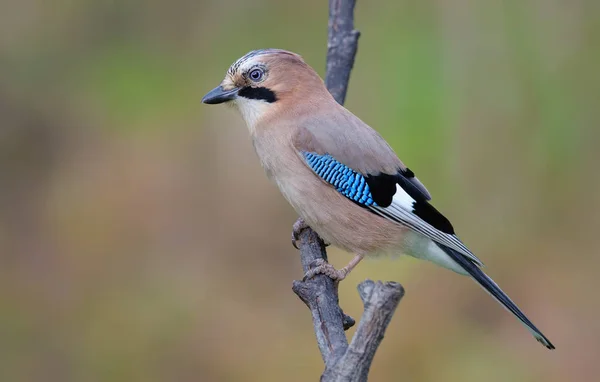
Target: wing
x=359, y=147
x=392, y=196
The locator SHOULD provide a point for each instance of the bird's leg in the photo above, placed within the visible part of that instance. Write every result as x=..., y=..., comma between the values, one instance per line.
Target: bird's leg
x=328, y=270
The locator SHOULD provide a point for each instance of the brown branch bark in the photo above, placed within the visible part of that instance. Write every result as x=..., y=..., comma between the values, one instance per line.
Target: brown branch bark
x=342, y=43
x=380, y=301
x=321, y=296
x=343, y=362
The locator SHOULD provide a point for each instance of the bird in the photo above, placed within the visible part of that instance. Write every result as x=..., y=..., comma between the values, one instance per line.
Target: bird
x=339, y=174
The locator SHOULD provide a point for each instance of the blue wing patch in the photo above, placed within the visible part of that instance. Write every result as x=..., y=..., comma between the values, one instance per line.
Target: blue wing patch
x=346, y=181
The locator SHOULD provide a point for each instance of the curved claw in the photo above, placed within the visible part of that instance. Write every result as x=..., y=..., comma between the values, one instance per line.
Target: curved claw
x=323, y=267
x=297, y=229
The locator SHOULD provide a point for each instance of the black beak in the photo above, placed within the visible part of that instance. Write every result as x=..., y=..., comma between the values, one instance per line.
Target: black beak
x=220, y=95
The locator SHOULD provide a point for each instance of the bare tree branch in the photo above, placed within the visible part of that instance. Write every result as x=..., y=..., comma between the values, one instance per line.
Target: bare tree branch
x=343, y=362
x=380, y=301
x=320, y=295
x=342, y=44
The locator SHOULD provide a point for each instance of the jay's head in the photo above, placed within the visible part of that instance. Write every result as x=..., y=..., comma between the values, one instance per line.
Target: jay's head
x=264, y=80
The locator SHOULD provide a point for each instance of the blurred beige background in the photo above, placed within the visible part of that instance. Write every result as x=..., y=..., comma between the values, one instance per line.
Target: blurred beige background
x=140, y=240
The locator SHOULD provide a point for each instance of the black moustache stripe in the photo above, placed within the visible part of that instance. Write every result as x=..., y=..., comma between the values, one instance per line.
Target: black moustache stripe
x=263, y=94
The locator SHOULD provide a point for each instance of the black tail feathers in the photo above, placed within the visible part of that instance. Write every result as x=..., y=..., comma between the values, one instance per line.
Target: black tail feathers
x=493, y=289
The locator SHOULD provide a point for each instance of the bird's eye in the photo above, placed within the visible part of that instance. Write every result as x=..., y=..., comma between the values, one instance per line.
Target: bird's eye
x=256, y=74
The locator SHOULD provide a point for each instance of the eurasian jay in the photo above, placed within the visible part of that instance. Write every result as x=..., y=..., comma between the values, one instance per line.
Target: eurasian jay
x=339, y=174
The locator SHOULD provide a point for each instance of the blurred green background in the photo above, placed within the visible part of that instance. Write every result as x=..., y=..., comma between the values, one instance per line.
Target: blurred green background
x=141, y=241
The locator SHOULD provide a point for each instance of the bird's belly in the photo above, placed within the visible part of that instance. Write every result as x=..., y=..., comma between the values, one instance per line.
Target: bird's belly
x=334, y=217
x=355, y=229
x=338, y=220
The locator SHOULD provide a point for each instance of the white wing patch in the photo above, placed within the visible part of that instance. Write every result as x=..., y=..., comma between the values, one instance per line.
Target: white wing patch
x=401, y=211
x=402, y=199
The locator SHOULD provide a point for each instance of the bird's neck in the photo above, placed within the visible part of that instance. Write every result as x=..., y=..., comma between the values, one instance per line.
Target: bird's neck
x=252, y=112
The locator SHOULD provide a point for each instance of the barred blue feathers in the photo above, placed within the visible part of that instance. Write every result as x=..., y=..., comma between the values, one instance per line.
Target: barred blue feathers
x=346, y=181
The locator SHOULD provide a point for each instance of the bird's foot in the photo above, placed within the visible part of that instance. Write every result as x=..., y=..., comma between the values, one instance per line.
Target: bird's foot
x=299, y=226
x=323, y=267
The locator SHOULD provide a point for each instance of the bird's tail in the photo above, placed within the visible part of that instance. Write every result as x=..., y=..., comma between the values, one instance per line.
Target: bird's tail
x=494, y=290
